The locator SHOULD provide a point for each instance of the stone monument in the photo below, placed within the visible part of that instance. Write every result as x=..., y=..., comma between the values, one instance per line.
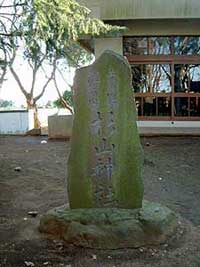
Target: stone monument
x=104, y=182
x=105, y=160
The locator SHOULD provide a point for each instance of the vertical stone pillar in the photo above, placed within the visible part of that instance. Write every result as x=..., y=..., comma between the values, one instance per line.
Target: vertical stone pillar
x=104, y=168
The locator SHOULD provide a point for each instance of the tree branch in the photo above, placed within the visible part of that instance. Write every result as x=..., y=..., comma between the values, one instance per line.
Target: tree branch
x=35, y=99
x=16, y=76
x=18, y=82
x=61, y=74
x=4, y=67
x=10, y=6
x=35, y=69
x=63, y=101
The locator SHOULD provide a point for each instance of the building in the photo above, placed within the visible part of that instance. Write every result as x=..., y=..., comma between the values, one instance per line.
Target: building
x=162, y=44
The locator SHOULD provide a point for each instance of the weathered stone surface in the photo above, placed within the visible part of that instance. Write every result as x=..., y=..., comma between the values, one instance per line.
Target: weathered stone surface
x=111, y=228
x=104, y=167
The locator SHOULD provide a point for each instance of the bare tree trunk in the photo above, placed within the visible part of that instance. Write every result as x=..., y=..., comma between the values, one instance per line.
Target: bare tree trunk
x=37, y=124
x=30, y=99
x=32, y=106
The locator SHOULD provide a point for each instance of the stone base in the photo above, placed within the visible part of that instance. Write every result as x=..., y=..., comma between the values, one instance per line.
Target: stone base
x=111, y=228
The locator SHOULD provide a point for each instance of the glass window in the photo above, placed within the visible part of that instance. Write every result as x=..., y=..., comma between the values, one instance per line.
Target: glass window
x=139, y=78
x=194, y=109
x=187, y=45
x=152, y=75
x=152, y=78
x=153, y=106
x=149, y=106
x=159, y=78
x=181, y=106
x=147, y=45
x=164, y=106
x=187, y=106
x=194, y=75
x=135, y=46
x=187, y=78
x=181, y=78
x=159, y=46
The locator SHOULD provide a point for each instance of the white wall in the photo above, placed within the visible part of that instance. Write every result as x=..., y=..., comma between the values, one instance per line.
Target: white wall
x=169, y=127
x=15, y=122
x=169, y=124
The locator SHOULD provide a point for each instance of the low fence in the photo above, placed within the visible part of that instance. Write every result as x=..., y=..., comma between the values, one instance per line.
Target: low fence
x=60, y=125
x=16, y=121
x=20, y=121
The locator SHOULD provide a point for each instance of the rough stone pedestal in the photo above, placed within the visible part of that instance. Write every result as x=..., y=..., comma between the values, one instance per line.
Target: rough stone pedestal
x=111, y=228
x=104, y=181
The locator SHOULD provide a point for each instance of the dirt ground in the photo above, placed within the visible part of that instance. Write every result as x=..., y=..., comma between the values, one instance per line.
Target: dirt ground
x=171, y=176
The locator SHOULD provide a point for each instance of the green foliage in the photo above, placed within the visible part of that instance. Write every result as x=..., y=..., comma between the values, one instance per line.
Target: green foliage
x=55, y=26
x=67, y=20
x=6, y=104
x=50, y=27
x=68, y=97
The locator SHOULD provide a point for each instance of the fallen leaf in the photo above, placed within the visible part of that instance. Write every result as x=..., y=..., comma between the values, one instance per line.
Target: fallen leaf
x=18, y=169
x=94, y=257
x=43, y=142
x=29, y=263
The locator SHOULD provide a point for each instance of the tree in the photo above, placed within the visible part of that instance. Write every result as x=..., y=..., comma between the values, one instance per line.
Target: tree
x=50, y=30
x=6, y=103
x=61, y=23
x=65, y=101
x=9, y=19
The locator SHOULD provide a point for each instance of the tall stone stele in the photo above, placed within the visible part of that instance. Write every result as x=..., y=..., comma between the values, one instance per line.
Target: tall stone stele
x=104, y=167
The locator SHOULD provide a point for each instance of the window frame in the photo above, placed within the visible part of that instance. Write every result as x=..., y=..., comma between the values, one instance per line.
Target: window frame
x=172, y=60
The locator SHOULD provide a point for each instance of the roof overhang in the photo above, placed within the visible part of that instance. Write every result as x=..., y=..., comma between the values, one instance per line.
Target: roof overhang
x=143, y=9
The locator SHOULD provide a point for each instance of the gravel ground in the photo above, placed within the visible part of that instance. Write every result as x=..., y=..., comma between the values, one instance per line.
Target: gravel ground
x=171, y=176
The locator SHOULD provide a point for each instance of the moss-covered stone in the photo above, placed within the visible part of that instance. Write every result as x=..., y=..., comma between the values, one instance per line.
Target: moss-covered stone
x=104, y=167
x=111, y=228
